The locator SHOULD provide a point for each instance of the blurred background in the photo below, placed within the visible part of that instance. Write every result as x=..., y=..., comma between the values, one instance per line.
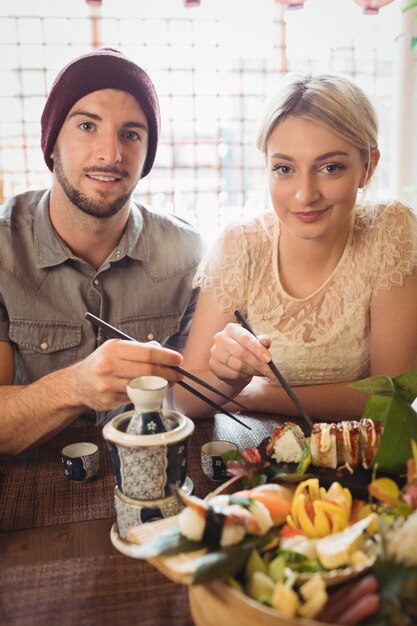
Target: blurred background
x=212, y=62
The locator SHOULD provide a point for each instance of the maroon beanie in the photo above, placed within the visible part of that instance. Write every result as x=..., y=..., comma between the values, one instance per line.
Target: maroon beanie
x=101, y=69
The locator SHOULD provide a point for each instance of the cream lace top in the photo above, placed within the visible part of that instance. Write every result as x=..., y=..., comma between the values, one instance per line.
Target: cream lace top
x=325, y=337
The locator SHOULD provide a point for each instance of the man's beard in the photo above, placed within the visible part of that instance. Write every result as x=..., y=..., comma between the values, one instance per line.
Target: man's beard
x=82, y=201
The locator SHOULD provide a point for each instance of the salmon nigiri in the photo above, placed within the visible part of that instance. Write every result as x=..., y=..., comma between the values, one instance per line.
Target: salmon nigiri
x=276, y=498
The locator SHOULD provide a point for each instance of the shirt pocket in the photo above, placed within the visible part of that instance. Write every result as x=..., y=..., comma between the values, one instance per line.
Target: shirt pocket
x=44, y=346
x=155, y=327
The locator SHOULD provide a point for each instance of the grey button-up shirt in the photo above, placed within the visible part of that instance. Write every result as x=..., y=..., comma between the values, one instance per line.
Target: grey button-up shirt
x=143, y=288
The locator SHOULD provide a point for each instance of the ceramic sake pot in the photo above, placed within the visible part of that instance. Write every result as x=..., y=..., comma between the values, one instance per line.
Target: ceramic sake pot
x=146, y=466
x=147, y=394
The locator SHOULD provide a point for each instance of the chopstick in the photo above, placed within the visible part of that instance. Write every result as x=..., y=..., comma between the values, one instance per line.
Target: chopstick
x=112, y=331
x=277, y=373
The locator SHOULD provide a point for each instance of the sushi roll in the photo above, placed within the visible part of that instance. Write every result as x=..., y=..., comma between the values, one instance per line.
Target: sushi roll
x=287, y=443
x=323, y=445
x=370, y=438
x=348, y=443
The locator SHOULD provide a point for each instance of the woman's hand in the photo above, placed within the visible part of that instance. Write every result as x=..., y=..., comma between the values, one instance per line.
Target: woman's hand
x=237, y=356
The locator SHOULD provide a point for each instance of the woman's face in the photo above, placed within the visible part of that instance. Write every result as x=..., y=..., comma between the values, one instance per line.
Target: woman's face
x=313, y=178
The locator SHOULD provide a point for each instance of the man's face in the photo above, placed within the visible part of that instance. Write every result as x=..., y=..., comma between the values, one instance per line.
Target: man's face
x=100, y=151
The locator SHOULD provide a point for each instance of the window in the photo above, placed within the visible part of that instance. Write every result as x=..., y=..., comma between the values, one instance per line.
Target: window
x=211, y=66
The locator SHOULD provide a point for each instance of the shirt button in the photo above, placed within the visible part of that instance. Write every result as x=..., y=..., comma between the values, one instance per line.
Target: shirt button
x=44, y=345
x=151, y=336
x=96, y=281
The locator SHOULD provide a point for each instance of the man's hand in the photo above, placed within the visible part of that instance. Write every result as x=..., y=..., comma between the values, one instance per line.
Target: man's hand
x=101, y=378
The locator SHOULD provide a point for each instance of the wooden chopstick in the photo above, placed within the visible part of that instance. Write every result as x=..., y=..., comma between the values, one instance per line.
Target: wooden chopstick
x=277, y=373
x=112, y=331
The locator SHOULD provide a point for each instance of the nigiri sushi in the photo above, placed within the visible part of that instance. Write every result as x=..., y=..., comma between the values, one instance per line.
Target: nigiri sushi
x=221, y=524
x=254, y=505
x=276, y=498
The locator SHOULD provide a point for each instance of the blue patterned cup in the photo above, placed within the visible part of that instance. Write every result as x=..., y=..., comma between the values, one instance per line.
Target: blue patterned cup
x=212, y=462
x=146, y=466
x=81, y=461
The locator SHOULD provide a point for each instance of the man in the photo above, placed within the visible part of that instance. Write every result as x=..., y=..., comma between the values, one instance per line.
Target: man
x=85, y=245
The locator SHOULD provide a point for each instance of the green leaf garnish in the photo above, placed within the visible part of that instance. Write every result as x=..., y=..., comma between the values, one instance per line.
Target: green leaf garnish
x=300, y=563
x=284, y=475
x=232, y=455
x=225, y=562
x=241, y=501
x=218, y=562
x=305, y=461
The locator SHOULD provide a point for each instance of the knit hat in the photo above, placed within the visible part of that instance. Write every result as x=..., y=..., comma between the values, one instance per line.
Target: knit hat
x=101, y=69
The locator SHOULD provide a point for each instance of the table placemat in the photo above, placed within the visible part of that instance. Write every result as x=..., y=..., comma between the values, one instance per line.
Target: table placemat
x=34, y=490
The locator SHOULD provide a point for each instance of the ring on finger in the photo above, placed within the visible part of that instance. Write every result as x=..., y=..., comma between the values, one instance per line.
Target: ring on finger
x=227, y=360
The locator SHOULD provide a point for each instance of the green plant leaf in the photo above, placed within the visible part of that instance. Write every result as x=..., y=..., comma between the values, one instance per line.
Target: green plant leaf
x=390, y=403
x=395, y=447
x=377, y=408
x=167, y=543
x=407, y=382
x=381, y=385
x=413, y=43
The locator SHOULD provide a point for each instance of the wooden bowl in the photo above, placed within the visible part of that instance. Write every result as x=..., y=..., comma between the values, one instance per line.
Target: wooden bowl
x=218, y=603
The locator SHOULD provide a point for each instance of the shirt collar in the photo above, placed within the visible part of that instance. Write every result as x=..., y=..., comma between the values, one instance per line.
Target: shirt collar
x=51, y=250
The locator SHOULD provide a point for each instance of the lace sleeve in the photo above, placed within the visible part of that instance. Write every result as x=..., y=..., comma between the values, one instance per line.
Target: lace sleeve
x=396, y=245
x=224, y=269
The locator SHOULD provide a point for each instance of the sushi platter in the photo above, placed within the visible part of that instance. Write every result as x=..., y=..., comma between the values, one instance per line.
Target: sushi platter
x=216, y=598
x=285, y=549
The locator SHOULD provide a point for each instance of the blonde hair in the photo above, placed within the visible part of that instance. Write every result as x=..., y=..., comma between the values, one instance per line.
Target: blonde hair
x=329, y=99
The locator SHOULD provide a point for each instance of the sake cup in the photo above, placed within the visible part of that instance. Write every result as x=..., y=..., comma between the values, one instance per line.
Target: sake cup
x=212, y=463
x=81, y=461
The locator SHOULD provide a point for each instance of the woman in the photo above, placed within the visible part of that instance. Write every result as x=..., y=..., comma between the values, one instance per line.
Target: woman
x=327, y=282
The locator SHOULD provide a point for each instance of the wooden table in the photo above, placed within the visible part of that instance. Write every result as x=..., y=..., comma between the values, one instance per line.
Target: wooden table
x=57, y=564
